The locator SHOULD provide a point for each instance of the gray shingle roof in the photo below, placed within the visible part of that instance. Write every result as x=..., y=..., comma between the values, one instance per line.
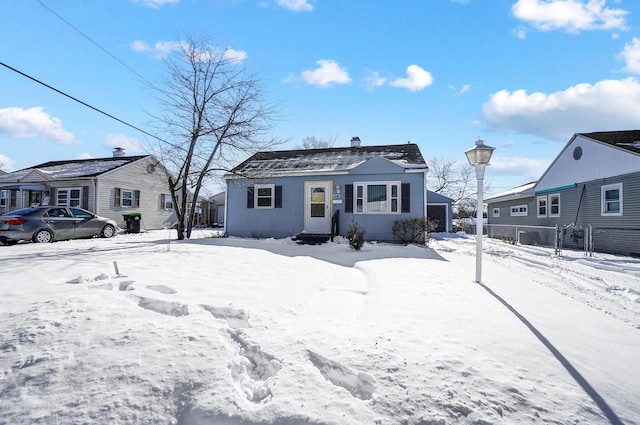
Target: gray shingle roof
x=628, y=140
x=77, y=168
x=327, y=160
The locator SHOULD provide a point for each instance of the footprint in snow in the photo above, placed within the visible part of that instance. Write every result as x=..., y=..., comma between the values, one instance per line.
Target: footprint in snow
x=167, y=308
x=162, y=288
x=236, y=318
x=360, y=384
x=253, y=370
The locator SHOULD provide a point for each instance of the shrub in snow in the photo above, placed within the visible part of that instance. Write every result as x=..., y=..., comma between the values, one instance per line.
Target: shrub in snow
x=413, y=230
x=355, y=236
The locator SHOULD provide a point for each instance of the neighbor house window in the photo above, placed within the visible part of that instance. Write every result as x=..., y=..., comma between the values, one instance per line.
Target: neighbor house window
x=611, y=199
x=69, y=197
x=126, y=198
x=542, y=206
x=166, y=202
x=554, y=205
x=549, y=205
x=519, y=210
x=264, y=195
x=377, y=198
x=496, y=212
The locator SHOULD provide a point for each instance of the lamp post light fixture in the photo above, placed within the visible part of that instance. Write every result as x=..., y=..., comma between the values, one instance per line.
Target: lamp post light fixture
x=479, y=157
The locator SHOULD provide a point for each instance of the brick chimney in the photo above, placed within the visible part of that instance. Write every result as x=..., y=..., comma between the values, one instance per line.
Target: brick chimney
x=118, y=152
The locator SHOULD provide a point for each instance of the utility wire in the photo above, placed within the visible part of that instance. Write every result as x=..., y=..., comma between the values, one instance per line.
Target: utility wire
x=95, y=43
x=83, y=103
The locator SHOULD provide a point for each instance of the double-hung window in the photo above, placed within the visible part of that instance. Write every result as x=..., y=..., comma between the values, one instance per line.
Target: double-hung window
x=611, y=199
x=542, y=206
x=126, y=198
x=166, y=202
x=264, y=195
x=69, y=197
x=4, y=198
x=549, y=205
x=377, y=198
x=554, y=205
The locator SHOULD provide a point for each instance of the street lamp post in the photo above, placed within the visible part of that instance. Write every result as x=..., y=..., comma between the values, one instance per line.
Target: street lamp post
x=479, y=157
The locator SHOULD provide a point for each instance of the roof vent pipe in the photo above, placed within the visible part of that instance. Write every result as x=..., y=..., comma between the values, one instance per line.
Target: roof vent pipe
x=355, y=142
x=118, y=152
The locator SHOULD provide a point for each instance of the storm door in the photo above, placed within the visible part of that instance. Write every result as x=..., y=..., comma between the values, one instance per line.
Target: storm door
x=317, y=208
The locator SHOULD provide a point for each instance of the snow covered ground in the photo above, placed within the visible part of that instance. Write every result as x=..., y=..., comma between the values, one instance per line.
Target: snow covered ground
x=241, y=332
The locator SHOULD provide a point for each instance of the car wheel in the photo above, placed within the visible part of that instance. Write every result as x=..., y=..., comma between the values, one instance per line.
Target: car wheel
x=43, y=236
x=108, y=231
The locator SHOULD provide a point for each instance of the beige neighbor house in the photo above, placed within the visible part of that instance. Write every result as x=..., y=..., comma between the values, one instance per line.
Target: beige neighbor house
x=109, y=187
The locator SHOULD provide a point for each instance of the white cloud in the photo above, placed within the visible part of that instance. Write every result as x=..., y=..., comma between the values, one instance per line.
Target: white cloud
x=631, y=56
x=528, y=168
x=296, y=5
x=374, y=79
x=520, y=32
x=130, y=145
x=464, y=89
x=162, y=49
x=156, y=4
x=606, y=105
x=6, y=164
x=84, y=155
x=417, y=79
x=328, y=72
x=33, y=122
x=570, y=15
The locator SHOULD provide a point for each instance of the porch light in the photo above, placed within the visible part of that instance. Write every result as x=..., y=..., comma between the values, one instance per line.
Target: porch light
x=479, y=157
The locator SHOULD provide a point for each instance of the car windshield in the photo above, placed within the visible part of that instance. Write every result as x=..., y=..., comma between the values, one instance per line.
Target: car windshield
x=23, y=212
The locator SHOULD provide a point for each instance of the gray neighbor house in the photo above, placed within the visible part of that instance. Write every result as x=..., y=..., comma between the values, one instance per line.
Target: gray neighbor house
x=109, y=187
x=594, y=181
x=293, y=193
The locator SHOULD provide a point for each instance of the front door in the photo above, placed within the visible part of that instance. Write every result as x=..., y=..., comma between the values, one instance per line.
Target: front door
x=318, y=210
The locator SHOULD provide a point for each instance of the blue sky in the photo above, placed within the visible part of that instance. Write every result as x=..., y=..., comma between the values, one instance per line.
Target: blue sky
x=523, y=75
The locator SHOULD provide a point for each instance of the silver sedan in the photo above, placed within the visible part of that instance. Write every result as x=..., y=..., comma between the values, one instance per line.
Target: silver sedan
x=53, y=223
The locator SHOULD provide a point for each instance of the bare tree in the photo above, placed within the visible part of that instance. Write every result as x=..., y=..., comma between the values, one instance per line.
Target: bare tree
x=214, y=114
x=314, y=142
x=455, y=180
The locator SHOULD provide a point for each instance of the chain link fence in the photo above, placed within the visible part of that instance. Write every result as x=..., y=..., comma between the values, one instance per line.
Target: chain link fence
x=612, y=240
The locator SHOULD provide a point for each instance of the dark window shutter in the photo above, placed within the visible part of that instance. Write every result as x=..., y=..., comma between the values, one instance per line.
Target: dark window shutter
x=348, y=198
x=136, y=199
x=12, y=198
x=163, y=204
x=250, y=197
x=116, y=197
x=54, y=196
x=278, y=203
x=406, y=198
x=85, y=197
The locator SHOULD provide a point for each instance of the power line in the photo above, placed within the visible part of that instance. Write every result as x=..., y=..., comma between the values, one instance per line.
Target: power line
x=83, y=103
x=95, y=43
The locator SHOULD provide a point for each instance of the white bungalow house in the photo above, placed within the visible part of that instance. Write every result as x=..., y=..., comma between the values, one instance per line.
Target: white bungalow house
x=109, y=187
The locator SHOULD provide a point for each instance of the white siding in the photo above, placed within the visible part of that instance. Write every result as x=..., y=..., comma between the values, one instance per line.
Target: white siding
x=136, y=176
x=598, y=160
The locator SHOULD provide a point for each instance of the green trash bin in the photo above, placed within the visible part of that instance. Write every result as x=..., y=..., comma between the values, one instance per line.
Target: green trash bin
x=132, y=220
